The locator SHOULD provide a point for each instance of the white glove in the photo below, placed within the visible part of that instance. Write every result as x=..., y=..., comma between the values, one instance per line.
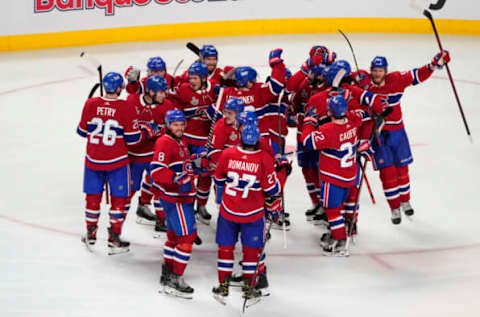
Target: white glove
x=132, y=74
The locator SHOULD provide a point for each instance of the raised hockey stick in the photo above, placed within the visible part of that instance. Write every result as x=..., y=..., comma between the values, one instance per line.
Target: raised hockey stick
x=351, y=49
x=95, y=63
x=429, y=16
x=175, y=72
x=194, y=48
x=250, y=287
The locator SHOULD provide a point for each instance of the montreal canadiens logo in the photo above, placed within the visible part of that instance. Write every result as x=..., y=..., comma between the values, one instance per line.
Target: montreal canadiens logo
x=188, y=167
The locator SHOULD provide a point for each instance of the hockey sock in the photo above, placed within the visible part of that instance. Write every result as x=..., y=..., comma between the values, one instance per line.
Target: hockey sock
x=92, y=209
x=203, y=189
x=146, y=194
x=117, y=214
x=159, y=209
x=404, y=183
x=313, y=183
x=181, y=257
x=169, y=250
x=389, y=178
x=225, y=262
x=128, y=201
x=336, y=222
x=349, y=204
x=249, y=262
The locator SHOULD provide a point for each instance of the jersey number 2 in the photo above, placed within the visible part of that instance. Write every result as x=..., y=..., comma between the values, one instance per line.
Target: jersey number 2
x=348, y=158
x=109, y=135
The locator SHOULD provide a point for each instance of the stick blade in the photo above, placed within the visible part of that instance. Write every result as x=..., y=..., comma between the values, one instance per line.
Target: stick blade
x=194, y=48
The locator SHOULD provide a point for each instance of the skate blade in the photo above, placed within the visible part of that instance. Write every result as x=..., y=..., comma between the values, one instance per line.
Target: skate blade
x=143, y=221
x=252, y=301
x=338, y=254
x=277, y=227
x=265, y=291
x=116, y=251
x=203, y=220
x=320, y=223
x=88, y=246
x=160, y=235
x=174, y=293
x=221, y=299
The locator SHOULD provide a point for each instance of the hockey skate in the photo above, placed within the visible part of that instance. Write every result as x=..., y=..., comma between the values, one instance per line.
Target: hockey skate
x=337, y=248
x=220, y=292
x=351, y=227
x=326, y=239
x=115, y=244
x=160, y=225
x=144, y=214
x=262, y=284
x=203, y=215
x=407, y=209
x=164, y=277
x=396, y=216
x=320, y=219
x=90, y=237
x=251, y=294
x=316, y=209
x=176, y=286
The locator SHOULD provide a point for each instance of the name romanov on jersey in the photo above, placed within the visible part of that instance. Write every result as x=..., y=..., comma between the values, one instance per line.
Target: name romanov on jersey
x=348, y=135
x=243, y=166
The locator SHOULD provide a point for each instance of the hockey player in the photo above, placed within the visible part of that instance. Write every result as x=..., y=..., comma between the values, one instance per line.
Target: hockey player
x=193, y=98
x=151, y=108
x=307, y=159
x=245, y=177
x=110, y=125
x=172, y=173
x=394, y=155
x=257, y=94
x=337, y=142
x=155, y=67
x=209, y=57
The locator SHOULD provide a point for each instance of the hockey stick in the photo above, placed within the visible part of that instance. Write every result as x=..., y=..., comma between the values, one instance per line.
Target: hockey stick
x=429, y=16
x=362, y=177
x=194, y=48
x=284, y=226
x=250, y=287
x=175, y=72
x=351, y=49
x=214, y=120
x=94, y=62
x=369, y=189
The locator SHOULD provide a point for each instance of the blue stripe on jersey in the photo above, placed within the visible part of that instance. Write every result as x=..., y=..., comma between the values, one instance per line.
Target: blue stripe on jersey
x=132, y=138
x=275, y=86
x=308, y=142
x=394, y=99
x=189, y=112
x=81, y=132
x=176, y=167
x=219, y=182
x=210, y=112
x=415, y=81
x=273, y=191
x=367, y=98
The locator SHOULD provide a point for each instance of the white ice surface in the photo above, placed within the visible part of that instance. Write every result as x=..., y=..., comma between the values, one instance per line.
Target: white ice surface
x=429, y=266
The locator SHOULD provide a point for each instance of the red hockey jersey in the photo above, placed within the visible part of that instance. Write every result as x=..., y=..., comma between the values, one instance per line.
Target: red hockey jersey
x=109, y=126
x=393, y=88
x=172, y=157
x=337, y=144
x=224, y=136
x=139, y=86
x=248, y=177
x=151, y=115
x=194, y=105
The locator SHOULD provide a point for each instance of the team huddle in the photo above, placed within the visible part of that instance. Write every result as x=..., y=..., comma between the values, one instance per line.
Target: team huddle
x=177, y=137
